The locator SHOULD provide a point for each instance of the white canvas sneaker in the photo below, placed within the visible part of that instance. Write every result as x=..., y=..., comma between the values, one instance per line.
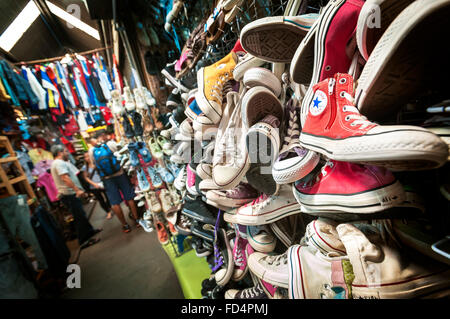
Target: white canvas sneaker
x=230, y=161
x=272, y=269
x=153, y=202
x=116, y=99
x=266, y=209
x=384, y=269
x=130, y=104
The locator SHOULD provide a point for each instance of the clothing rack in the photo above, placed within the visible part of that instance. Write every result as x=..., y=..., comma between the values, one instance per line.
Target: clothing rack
x=61, y=57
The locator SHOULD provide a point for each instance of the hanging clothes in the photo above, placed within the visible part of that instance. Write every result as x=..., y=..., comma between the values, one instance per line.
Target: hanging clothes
x=36, y=87
x=7, y=85
x=3, y=95
x=71, y=83
x=81, y=120
x=61, y=78
x=60, y=101
x=52, y=92
x=103, y=78
x=118, y=81
x=80, y=87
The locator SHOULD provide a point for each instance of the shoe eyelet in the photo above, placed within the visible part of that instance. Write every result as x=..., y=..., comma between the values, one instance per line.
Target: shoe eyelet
x=347, y=118
x=343, y=81
x=353, y=124
x=328, y=68
x=344, y=109
x=342, y=94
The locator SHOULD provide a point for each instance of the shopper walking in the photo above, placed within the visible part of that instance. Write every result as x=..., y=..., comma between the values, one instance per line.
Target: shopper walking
x=70, y=191
x=95, y=184
x=116, y=182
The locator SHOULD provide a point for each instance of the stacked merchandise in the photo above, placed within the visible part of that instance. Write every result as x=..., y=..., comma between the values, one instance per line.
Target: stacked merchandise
x=74, y=92
x=145, y=158
x=290, y=191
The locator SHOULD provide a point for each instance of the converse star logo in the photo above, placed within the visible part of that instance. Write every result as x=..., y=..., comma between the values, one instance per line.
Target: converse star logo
x=319, y=103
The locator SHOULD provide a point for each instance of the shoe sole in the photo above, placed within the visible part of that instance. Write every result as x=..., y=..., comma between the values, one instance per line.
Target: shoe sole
x=213, y=112
x=260, y=246
x=367, y=202
x=270, y=277
x=395, y=71
x=262, y=181
x=257, y=103
x=205, y=254
x=204, y=173
x=267, y=218
x=366, y=37
x=198, y=217
x=183, y=231
x=242, y=67
x=262, y=77
x=293, y=169
x=217, y=205
x=203, y=235
x=236, y=178
x=272, y=39
x=407, y=148
x=423, y=286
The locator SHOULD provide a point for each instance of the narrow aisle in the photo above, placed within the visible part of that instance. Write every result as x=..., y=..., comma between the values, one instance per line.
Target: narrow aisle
x=132, y=265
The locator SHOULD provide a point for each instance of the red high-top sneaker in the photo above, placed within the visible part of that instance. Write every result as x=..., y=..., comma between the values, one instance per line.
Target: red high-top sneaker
x=350, y=188
x=335, y=128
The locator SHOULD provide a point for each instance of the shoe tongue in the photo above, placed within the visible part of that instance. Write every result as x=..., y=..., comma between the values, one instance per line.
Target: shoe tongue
x=271, y=120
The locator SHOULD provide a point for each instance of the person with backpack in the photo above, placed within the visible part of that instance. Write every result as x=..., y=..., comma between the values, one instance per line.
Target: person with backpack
x=95, y=185
x=115, y=180
x=70, y=191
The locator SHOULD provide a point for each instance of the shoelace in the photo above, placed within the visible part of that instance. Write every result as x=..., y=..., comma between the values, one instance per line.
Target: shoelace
x=293, y=129
x=263, y=202
x=238, y=257
x=216, y=90
x=253, y=292
x=277, y=260
x=218, y=257
x=357, y=118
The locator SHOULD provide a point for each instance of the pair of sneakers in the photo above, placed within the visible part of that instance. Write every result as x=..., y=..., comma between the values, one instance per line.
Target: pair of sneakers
x=340, y=259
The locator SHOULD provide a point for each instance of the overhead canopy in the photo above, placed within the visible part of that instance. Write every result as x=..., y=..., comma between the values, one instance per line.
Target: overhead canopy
x=46, y=28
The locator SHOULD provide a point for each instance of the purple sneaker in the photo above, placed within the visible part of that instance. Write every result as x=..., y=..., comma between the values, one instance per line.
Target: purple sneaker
x=233, y=198
x=240, y=260
x=294, y=161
